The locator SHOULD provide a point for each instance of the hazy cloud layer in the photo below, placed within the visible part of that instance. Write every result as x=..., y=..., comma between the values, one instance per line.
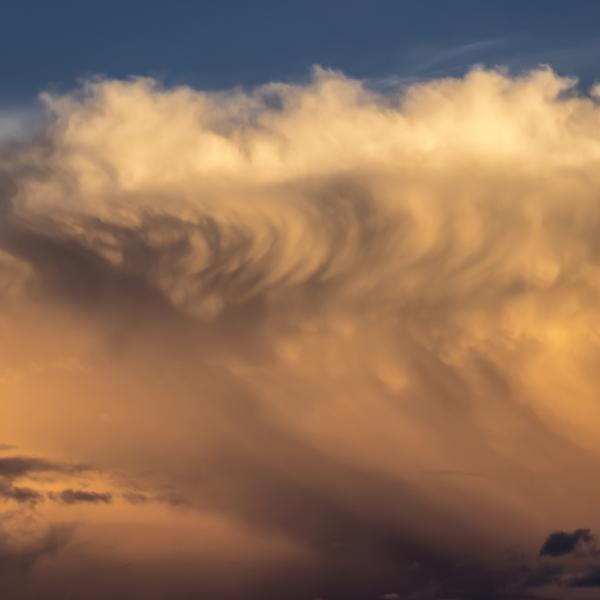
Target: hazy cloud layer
x=317, y=341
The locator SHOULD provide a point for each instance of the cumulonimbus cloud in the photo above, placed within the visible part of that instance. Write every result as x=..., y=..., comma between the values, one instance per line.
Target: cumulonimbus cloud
x=378, y=309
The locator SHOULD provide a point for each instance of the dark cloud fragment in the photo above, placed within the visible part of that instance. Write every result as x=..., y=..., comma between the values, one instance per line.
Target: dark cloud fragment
x=14, y=467
x=70, y=496
x=21, y=495
x=561, y=543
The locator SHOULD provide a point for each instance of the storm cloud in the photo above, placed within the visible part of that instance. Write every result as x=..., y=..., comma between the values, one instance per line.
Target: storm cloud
x=317, y=340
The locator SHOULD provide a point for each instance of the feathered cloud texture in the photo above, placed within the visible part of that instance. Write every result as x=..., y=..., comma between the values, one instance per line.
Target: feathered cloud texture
x=334, y=342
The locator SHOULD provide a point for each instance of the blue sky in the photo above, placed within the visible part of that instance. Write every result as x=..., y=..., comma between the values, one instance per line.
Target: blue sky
x=216, y=44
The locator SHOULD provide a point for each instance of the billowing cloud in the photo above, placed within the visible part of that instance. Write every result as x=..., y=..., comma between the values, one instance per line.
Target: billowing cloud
x=342, y=343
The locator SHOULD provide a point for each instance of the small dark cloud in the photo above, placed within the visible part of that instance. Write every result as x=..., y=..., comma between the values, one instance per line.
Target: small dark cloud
x=562, y=542
x=80, y=496
x=14, y=467
x=22, y=495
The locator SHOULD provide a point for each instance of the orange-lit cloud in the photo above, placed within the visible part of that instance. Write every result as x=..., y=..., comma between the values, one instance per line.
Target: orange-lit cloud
x=352, y=334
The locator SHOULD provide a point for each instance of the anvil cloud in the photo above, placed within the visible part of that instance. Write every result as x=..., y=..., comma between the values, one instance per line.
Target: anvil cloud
x=309, y=340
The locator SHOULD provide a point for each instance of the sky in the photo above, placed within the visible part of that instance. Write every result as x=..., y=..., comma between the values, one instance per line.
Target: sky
x=227, y=43
x=299, y=300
